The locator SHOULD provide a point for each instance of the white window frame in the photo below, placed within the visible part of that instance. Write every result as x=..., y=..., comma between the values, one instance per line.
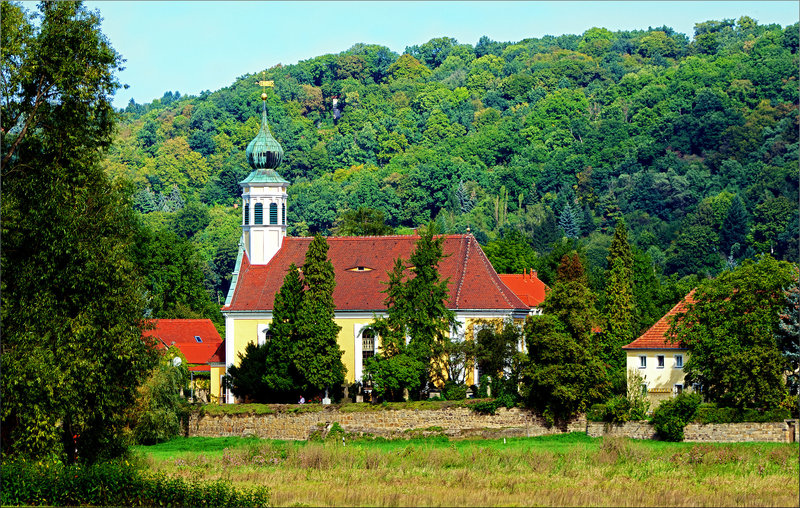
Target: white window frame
x=678, y=361
x=677, y=389
x=642, y=361
x=261, y=338
x=660, y=361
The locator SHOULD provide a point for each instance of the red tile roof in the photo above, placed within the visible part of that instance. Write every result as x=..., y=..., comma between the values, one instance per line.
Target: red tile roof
x=527, y=286
x=473, y=282
x=182, y=332
x=219, y=354
x=656, y=337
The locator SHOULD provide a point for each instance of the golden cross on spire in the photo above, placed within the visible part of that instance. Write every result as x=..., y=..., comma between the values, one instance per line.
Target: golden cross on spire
x=264, y=84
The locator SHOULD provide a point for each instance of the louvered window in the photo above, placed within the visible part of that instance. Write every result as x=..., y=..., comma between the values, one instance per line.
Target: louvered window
x=246, y=214
x=283, y=213
x=258, y=214
x=273, y=213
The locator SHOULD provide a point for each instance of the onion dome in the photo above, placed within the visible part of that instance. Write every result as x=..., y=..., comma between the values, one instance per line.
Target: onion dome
x=264, y=152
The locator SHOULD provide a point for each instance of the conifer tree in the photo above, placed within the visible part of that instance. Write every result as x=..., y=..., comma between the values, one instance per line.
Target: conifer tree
x=619, y=299
x=417, y=310
x=564, y=374
x=429, y=321
x=734, y=227
x=317, y=356
x=281, y=376
x=568, y=222
x=786, y=336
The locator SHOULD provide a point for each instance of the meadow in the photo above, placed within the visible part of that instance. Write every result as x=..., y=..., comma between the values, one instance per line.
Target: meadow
x=559, y=470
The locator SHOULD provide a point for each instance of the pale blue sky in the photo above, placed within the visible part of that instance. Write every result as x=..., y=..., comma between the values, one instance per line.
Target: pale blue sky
x=193, y=46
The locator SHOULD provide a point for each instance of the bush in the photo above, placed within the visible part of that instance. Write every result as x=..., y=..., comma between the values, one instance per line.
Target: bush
x=488, y=407
x=617, y=409
x=596, y=413
x=710, y=413
x=114, y=484
x=672, y=415
x=454, y=391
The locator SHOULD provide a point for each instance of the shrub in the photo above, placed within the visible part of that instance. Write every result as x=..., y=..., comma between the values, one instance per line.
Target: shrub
x=671, y=416
x=114, y=484
x=617, y=409
x=454, y=391
x=710, y=413
x=488, y=407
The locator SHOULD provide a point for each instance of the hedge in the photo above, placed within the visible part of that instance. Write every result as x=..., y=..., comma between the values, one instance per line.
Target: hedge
x=114, y=484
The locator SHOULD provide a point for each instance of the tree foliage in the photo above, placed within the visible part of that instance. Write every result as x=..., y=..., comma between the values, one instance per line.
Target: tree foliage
x=316, y=355
x=564, y=374
x=73, y=313
x=730, y=333
x=415, y=331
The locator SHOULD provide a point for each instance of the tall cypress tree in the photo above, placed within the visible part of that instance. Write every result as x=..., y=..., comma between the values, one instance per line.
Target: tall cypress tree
x=317, y=356
x=619, y=298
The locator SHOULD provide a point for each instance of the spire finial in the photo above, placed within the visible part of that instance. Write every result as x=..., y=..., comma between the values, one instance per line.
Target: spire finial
x=263, y=83
x=264, y=152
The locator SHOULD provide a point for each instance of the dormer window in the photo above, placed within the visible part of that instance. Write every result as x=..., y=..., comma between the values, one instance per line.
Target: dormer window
x=359, y=269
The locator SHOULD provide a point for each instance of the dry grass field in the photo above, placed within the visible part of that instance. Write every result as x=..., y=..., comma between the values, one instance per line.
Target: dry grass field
x=564, y=470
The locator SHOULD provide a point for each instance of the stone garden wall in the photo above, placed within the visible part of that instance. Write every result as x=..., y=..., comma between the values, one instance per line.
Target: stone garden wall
x=460, y=422
x=780, y=432
x=454, y=422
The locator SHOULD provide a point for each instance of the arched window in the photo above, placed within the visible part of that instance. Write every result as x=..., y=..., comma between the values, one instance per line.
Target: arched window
x=258, y=214
x=273, y=213
x=283, y=213
x=368, y=343
x=246, y=214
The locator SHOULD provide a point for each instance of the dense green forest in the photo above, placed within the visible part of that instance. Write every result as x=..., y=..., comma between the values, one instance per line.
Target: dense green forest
x=538, y=147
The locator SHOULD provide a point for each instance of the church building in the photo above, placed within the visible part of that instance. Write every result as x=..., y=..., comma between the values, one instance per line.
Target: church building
x=478, y=296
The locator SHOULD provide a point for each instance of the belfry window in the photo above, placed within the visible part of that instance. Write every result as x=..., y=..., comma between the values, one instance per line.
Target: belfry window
x=246, y=214
x=368, y=343
x=258, y=214
x=283, y=213
x=273, y=213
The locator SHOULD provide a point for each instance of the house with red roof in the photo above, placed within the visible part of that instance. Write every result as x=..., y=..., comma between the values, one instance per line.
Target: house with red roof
x=360, y=264
x=201, y=345
x=655, y=361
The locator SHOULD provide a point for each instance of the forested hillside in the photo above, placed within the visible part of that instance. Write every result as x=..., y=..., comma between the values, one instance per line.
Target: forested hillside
x=538, y=146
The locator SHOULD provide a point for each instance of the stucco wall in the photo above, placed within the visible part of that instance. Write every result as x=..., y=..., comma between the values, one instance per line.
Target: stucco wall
x=455, y=422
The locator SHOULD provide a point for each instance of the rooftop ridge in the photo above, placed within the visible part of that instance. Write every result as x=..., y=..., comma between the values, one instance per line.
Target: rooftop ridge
x=350, y=238
x=461, y=275
x=495, y=279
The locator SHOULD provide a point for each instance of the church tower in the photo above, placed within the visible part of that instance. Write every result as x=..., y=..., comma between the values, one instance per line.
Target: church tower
x=263, y=196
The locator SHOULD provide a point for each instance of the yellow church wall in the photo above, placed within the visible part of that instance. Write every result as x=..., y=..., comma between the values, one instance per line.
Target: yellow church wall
x=216, y=386
x=246, y=331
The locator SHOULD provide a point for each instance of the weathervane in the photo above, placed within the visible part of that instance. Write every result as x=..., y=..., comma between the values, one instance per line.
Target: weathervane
x=263, y=83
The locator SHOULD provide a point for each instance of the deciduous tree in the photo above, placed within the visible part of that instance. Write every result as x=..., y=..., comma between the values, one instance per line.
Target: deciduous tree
x=72, y=313
x=730, y=332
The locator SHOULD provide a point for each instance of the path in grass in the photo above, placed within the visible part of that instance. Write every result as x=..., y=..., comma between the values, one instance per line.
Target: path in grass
x=559, y=470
